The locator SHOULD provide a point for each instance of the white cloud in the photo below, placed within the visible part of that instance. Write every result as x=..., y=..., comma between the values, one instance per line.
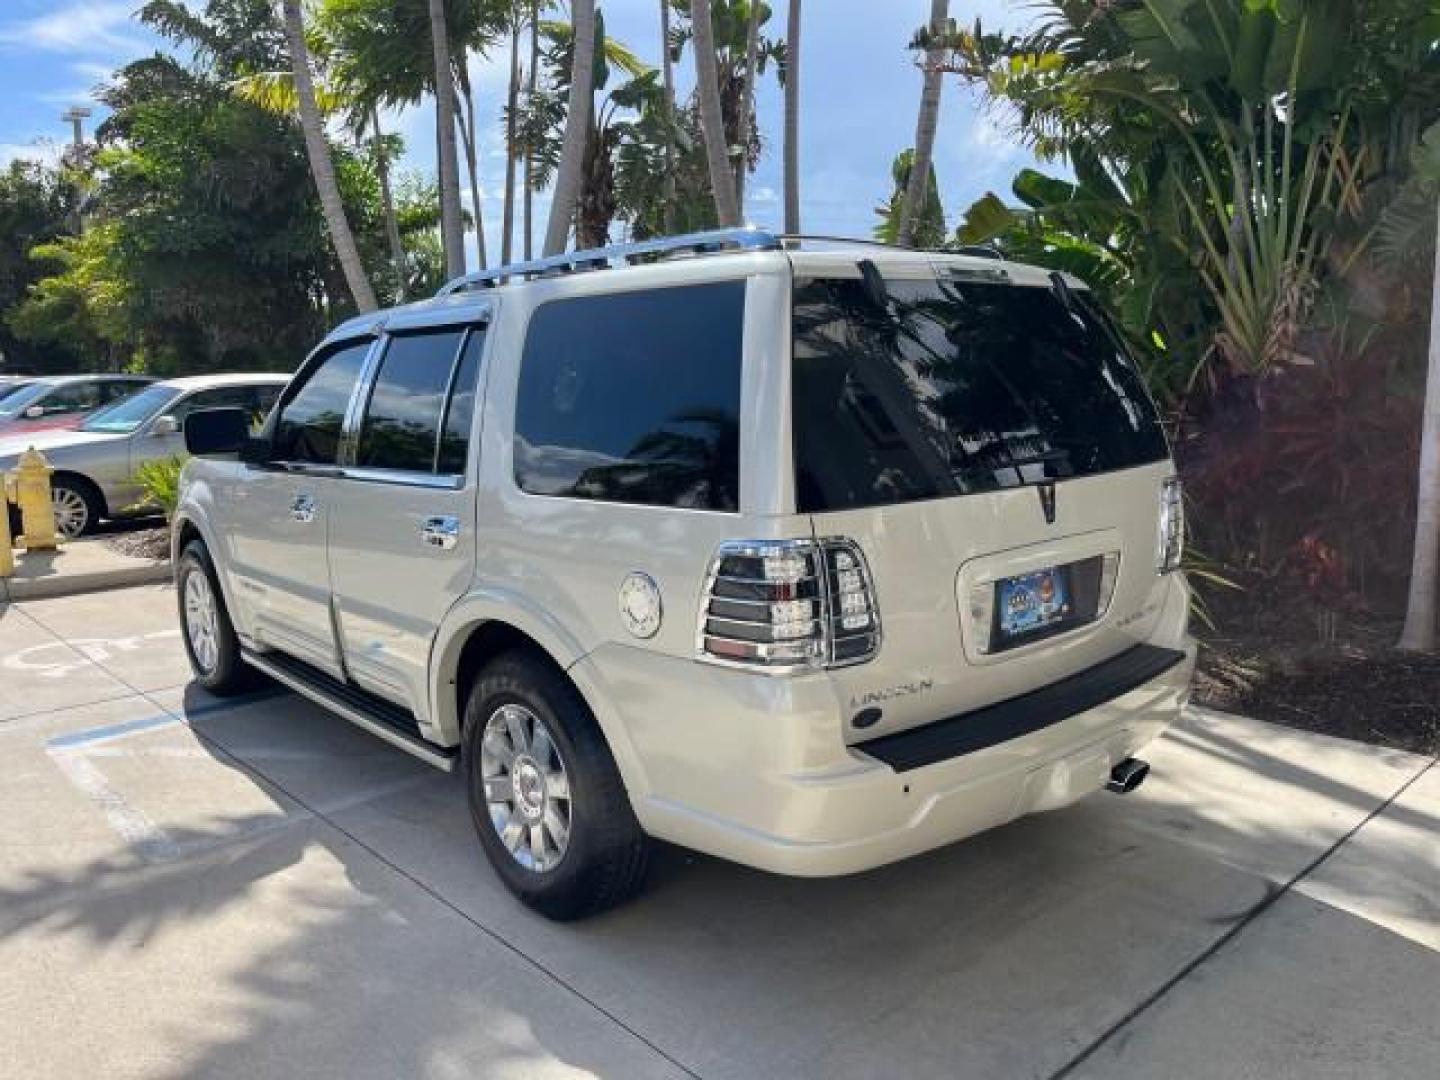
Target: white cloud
x=39, y=149
x=90, y=70
x=88, y=27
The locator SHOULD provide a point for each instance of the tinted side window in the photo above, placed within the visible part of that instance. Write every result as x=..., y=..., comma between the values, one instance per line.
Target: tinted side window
x=460, y=413
x=634, y=398
x=114, y=391
x=255, y=399
x=310, y=423
x=76, y=397
x=402, y=422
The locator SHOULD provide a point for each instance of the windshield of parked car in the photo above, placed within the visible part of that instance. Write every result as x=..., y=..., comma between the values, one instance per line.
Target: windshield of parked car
x=6, y=389
x=16, y=403
x=949, y=387
x=127, y=414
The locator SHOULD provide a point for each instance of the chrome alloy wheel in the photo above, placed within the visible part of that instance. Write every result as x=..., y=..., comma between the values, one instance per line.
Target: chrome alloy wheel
x=526, y=787
x=202, y=621
x=71, y=513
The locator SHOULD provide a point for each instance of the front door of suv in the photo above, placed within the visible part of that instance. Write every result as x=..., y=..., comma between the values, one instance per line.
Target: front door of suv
x=281, y=513
x=402, y=524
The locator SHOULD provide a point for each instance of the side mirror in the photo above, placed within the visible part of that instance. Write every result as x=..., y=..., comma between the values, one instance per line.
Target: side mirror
x=165, y=425
x=215, y=431
x=34, y=412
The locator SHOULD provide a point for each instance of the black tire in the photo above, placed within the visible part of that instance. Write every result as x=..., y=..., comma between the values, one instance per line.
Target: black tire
x=605, y=858
x=228, y=674
x=82, y=493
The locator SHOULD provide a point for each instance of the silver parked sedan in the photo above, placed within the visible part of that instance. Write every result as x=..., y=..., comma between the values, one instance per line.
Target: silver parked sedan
x=95, y=465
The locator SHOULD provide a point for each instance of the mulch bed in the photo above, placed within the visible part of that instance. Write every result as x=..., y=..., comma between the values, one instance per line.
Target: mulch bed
x=141, y=544
x=1333, y=674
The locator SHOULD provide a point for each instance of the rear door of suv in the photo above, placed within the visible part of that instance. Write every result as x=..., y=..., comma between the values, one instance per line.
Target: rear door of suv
x=402, y=522
x=991, y=448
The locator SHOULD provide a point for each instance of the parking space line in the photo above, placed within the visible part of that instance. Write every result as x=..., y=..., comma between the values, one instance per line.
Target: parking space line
x=148, y=840
x=110, y=731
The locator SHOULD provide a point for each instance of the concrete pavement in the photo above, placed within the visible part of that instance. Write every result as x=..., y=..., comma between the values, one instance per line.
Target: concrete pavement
x=197, y=888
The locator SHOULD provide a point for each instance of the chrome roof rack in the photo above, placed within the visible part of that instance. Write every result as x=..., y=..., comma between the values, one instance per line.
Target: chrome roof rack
x=798, y=240
x=700, y=243
x=980, y=251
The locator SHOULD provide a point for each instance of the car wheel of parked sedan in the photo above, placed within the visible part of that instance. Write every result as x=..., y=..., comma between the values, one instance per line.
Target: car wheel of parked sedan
x=205, y=626
x=77, y=508
x=545, y=794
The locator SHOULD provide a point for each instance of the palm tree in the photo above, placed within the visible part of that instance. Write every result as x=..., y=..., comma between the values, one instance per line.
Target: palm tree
x=707, y=90
x=465, y=118
x=452, y=229
x=512, y=104
x=925, y=125
x=274, y=91
x=387, y=202
x=746, y=122
x=577, y=127
x=667, y=69
x=321, y=166
x=529, y=179
x=1418, y=634
x=792, y=119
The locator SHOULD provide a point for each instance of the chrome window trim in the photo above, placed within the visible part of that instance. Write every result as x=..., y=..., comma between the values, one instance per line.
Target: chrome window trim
x=402, y=478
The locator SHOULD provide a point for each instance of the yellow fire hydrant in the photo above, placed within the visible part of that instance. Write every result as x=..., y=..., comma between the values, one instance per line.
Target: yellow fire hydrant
x=32, y=492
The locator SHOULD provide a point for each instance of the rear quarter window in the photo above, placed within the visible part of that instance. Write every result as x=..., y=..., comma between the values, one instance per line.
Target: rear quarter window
x=634, y=398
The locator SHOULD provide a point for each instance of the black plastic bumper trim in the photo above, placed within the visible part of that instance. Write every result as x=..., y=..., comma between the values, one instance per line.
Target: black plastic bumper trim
x=965, y=733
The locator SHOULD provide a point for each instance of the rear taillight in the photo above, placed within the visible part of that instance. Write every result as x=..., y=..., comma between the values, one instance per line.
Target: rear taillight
x=1171, y=540
x=785, y=605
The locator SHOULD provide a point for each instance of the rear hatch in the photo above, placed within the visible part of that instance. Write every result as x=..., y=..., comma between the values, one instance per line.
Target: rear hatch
x=991, y=448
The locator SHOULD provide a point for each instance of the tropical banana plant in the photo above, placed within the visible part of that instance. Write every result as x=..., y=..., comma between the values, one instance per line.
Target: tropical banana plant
x=1250, y=125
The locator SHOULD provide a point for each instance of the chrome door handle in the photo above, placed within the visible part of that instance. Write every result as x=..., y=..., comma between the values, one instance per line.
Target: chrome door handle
x=440, y=532
x=302, y=509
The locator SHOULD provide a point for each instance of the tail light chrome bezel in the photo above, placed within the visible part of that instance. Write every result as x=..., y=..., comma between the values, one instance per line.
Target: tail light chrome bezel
x=817, y=650
x=1170, y=527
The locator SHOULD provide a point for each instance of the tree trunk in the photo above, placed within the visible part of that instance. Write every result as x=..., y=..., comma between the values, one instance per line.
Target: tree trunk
x=707, y=89
x=577, y=127
x=792, y=120
x=387, y=201
x=918, y=189
x=529, y=152
x=465, y=116
x=452, y=227
x=1419, y=632
x=745, y=127
x=667, y=69
x=507, y=218
x=321, y=166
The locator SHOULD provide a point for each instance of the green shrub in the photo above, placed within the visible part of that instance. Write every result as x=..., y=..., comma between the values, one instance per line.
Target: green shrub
x=159, y=483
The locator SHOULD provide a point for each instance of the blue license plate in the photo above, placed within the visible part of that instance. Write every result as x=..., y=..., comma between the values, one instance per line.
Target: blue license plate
x=1030, y=603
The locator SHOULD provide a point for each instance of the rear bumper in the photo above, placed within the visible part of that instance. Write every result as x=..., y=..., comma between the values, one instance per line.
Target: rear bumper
x=748, y=769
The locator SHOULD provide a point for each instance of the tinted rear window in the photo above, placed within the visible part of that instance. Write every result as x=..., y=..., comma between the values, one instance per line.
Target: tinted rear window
x=401, y=428
x=634, y=397
x=961, y=387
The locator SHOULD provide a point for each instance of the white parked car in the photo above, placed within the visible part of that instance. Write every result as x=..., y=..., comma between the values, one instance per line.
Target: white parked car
x=95, y=464
x=808, y=555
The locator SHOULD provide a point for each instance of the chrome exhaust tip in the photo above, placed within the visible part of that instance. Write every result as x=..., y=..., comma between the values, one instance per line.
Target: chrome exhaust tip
x=1127, y=776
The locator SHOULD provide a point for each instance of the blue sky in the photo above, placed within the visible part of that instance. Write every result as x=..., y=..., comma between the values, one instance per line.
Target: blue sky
x=860, y=89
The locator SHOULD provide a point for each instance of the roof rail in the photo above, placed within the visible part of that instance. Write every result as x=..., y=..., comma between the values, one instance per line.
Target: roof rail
x=980, y=251
x=700, y=243
x=795, y=240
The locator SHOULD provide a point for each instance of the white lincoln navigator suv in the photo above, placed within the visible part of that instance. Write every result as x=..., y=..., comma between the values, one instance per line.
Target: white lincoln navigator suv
x=809, y=554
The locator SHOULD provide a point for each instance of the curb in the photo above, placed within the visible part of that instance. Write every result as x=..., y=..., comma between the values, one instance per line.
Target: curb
x=120, y=577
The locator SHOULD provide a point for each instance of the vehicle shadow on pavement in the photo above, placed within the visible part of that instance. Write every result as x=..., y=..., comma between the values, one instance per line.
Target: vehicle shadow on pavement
x=373, y=940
